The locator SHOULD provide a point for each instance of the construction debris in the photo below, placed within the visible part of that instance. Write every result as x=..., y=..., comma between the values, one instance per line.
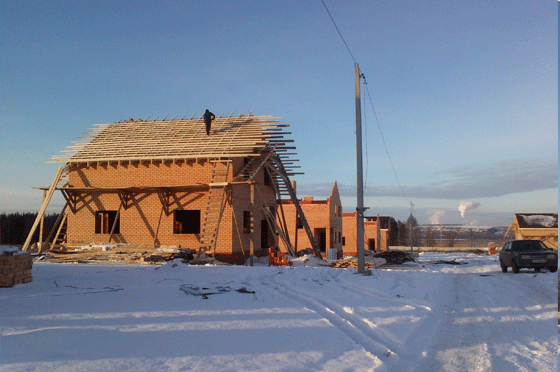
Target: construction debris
x=123, y=254
x=447, y=262
x=394, y=257
x=352, y=263
x=277, y=258
x=204, y=292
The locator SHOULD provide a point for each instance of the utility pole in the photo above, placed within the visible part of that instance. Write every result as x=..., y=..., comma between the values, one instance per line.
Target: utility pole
x=360, y=181
x=410, y=228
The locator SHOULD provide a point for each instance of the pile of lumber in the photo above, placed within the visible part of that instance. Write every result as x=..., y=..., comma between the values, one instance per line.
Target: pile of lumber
x=120, y=254
x=15, y=268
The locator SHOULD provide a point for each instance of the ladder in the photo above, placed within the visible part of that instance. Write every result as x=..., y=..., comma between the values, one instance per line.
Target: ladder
x=60, y=238
x=214, y=208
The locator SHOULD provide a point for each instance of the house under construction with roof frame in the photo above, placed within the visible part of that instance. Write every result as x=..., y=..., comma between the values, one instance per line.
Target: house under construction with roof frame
x=168, y=183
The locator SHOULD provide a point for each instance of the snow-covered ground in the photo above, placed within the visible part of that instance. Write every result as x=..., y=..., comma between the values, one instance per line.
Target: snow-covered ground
x=416, y=317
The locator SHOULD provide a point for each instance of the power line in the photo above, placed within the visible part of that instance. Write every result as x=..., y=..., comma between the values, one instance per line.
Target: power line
x=334, y=23
x=366, y=141
x=371, y=103
x=384, y=143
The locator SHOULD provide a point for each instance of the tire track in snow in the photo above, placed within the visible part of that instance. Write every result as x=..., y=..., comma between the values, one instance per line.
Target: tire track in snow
x=353, y=326
x=381, y=294
x=460, y=344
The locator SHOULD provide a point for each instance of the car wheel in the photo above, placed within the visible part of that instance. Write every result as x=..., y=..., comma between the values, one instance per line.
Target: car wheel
x=514, y=267
x=553, y=269
x=504, y=267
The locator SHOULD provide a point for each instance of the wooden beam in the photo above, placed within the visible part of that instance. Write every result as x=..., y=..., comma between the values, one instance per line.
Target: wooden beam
x=159, y=223
x=274, y=224
x=252, y=223
x=41, y=227
x=44, y=206
x=115, y=222
x=279, y=169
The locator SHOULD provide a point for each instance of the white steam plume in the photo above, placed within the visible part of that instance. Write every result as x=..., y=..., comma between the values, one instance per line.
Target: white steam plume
x=465, y=206
x=436, y=215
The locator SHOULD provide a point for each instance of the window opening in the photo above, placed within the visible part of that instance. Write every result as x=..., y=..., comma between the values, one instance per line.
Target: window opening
x=186, y=222
x=104, y=221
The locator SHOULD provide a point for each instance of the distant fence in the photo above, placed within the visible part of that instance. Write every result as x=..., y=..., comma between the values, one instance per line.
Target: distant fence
x=440, y=249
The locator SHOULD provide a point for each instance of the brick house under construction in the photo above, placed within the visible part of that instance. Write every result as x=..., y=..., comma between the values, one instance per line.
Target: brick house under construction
x=379, y=233
x=324, y=218
x=165, y=182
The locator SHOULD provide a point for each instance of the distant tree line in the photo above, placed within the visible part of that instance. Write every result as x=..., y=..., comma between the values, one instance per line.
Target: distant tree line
x=14, y=227
x=408, y=232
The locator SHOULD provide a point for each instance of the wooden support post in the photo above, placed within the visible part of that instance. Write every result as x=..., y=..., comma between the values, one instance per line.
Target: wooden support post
x=252, y=223
x=159, y=223
x=282, y=173
x=115, y=222
x=296, y=233
x=50, y=193
x=273, y=224
x=41, y=226
x=236, y=223
x=284, y=225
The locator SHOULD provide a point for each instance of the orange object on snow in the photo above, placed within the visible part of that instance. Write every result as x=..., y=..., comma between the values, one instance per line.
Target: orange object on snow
x=277, y=258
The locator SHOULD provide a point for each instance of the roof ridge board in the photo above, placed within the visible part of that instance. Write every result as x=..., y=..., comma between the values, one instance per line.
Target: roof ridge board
x=155, y=145
x=166, y=158
x=226, y=147
x=239, y=141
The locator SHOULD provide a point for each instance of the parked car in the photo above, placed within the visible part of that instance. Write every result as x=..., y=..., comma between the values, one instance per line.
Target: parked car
x=530, y=254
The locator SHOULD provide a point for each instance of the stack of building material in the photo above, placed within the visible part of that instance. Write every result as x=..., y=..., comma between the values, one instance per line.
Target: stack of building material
x=15, y=268
x=277, y=258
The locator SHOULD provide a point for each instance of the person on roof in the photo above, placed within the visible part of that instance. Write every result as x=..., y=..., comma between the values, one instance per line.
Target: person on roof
x=208, y=117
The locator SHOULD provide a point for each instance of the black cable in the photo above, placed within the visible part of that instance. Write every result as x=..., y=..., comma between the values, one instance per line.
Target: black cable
x=344, y=41
x=385, y=145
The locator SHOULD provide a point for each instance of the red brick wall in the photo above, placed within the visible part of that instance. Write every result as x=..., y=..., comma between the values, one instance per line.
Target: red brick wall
x=320, y=214
x=139, y=221
x=370, y=232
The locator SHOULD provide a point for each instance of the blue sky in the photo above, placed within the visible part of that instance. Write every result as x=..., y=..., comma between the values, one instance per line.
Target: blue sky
x=465, y=93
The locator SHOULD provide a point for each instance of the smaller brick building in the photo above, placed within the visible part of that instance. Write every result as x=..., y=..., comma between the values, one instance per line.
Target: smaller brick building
x=378, y=233
x=324, y=218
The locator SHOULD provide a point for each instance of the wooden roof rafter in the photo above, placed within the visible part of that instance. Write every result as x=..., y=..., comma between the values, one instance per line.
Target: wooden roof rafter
x=176, y=140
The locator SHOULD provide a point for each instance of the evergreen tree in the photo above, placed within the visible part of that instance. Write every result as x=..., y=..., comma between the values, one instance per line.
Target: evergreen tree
x=401, y=237
x=412, y=232
x=430, y=238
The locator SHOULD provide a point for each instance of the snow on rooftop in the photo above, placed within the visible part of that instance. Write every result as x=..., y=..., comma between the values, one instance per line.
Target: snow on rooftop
x=539, y=220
